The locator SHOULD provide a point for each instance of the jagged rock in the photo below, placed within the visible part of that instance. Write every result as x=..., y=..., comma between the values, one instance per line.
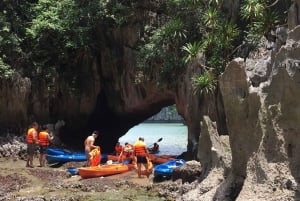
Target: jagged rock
x=212, y=150
x=190, y=172
x=263, y=125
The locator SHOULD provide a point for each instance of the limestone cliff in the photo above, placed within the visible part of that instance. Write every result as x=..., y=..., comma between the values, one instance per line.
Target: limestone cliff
x=262, y=114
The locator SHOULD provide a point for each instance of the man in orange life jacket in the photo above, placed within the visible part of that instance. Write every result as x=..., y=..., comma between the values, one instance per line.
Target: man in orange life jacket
x=89, y=145
x=141, y=154
x=44, y=139
x=32, y=141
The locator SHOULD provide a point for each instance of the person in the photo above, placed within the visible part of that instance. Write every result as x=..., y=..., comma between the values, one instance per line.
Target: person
x=89, y=145
x=118, y=149
x=44, y=141
x=32, y=141
x=141, y=155
x=155, y=148
x=126, y=153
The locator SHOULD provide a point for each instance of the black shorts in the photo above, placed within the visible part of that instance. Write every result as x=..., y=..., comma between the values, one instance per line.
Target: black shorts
x=141, y=159
x=43, y=149
x=30, y=148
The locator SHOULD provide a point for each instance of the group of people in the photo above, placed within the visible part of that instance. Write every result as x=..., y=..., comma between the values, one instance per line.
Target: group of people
x=37, y=139
x=137, y=153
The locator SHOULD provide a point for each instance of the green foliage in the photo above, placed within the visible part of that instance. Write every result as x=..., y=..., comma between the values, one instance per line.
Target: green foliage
x=211, y=18
x=252, y=9
x=192, y=50
x=205, y=30
x=70, y=22
x=5, y=70
x=203, y=84
x=12, y=34
x=162, y=51
x=261, y=19
x=48, y=37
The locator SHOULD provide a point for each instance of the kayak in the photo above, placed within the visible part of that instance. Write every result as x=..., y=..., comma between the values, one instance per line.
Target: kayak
x=62, y=156
x=55, y=151
x=103, y=170
x=153, y=151
x=166, y=169
x=72, y=170
x=115, y=158
x=159, y=159
x=143, y=169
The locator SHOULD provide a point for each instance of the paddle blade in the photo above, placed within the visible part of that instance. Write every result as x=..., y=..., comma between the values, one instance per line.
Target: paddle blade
x=160, y=139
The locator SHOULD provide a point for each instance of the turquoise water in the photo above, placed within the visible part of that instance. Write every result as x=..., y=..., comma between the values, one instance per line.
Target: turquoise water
x=174, y=136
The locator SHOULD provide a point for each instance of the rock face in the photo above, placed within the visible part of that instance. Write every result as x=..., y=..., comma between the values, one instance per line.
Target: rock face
x=263, y=126
x=262, y=115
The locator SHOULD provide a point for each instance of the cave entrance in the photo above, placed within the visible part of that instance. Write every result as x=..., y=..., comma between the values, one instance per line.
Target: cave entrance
x=166, y=125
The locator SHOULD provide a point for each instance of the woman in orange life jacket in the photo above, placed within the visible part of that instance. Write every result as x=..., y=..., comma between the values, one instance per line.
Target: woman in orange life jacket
x=44, y=139
x=118, y=149
x=32, y=141
x=142, y=155
x=126, y=153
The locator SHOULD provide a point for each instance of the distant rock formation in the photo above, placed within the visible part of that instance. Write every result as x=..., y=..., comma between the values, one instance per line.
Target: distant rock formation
x=167, y=114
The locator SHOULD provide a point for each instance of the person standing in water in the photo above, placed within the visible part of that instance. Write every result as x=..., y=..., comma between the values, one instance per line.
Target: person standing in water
x=141, y=154
x=89, y=145
x=32, y=141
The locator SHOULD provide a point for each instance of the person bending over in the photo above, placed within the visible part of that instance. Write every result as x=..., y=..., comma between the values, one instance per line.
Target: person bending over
x=89, y=145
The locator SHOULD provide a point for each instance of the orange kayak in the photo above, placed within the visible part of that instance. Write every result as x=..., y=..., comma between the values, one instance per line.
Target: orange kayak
x=115, y=158
x=103, y=170
x=159, y=159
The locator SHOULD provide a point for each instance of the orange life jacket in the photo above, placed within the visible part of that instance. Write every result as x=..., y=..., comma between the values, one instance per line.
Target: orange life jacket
x=95, y=157
x=140, y=148
x=43, y=137
x=30, y=135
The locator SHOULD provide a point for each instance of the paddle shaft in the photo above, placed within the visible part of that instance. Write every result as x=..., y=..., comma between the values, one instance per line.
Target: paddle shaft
x=160, y=139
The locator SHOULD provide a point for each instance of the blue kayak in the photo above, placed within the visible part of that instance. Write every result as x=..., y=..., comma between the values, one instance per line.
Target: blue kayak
x=72, y=170
x=166, y=169
x=63, y=156
x=55, y=151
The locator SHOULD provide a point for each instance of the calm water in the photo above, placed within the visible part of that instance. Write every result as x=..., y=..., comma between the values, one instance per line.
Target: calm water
x=174, y=136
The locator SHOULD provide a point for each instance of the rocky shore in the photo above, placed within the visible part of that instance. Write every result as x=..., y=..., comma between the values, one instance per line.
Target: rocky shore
x=56, y=184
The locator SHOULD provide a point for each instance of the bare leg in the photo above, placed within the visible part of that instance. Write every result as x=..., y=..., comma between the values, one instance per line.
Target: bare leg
x=44, y=160
x=139, y=165
x=147, y=171
x=29, y=161
x=41, y=160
